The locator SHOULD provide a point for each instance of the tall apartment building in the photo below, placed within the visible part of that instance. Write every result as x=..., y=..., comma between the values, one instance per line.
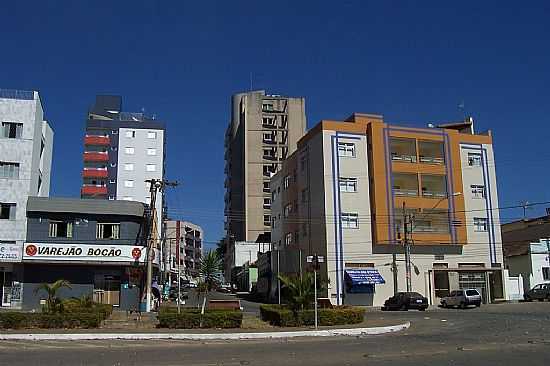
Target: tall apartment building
x=184, y=242
x=121, y=151
x=26, y=142
x=343, y=193
x=263, y=131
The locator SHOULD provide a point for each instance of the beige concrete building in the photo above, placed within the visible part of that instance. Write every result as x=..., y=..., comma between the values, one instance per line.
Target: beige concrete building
x=341, y=195
x=263, y=131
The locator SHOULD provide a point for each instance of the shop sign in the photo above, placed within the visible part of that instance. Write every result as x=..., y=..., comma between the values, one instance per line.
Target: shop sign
x=84, y=252
x=10, y=252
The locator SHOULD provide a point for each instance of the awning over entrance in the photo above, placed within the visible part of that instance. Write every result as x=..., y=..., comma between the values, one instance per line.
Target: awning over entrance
x=364, y=277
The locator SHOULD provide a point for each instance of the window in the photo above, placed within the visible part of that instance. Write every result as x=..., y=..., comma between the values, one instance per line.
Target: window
x=286, y=182
x=546, y=273
x=350, y=220
x=107, y=231
x=151, y=151
x=348, y=184
x=151, y=135
x=269, y=137
x=478, y=191
x=266, y=187
x=9, y=170
x=61, y=229
x=268, y=121
x=346, y=149
x=304, y=195
x=129, y=150
x=129, y=167
x=267, y=107
x=12, y=130
x=151, y=168
x=7, y=211
x=288, y=210
x=131, y=134
x=267, y=220
x=480, y=224
x=474, y=159
x=114, y=132
x=268, y=170
x=267, y=203
x=112, y=181
x=288, y=239
x=129, y=183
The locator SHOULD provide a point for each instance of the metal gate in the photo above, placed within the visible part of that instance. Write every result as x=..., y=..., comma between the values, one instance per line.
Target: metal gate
x=475, y=280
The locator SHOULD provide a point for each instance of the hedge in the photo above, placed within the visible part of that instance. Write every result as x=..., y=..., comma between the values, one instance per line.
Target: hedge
x=190, y=318
x=284, y=317
x=17, y=320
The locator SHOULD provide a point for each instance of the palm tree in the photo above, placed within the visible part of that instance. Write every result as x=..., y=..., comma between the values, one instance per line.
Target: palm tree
x=53, y=303
x=210, y=271
x=299, y=290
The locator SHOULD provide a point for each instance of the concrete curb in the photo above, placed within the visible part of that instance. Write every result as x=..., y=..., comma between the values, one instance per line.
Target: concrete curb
x=198, y=336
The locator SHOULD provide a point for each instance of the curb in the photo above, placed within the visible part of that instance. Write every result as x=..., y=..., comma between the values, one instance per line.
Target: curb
x=211, y=336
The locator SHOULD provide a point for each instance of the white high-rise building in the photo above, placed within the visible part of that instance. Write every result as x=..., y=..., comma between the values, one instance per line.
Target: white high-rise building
x=26, y=142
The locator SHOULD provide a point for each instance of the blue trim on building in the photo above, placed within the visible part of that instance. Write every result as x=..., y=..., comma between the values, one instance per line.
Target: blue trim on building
x=334, y=147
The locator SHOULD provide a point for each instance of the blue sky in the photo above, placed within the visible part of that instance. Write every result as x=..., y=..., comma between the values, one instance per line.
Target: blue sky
x=413, y=62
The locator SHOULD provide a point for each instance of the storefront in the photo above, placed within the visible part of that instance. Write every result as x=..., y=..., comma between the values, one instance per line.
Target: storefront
x=10, y=285
x=111, y=274
x=360, y=285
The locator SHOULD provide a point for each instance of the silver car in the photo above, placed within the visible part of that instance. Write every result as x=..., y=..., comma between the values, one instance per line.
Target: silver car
x=462, y=298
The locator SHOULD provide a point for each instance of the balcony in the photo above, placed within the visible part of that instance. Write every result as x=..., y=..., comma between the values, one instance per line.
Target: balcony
x=403, y=150
x=96, y=156
x=405, y=184
x=431, y=152
x=97, y=140
x=95, y=173
x=431, y=221
x=434, y=186
x=93, y=190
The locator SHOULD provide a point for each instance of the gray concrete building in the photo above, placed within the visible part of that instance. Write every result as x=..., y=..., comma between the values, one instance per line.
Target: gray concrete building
x=99, y=246
x=184, y=245
x=26, y=142
x=264, y=130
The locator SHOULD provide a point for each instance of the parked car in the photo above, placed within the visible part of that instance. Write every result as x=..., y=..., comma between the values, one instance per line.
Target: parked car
x=539, y=292
x=225, y=288
x=462, y=298
x=406, y=301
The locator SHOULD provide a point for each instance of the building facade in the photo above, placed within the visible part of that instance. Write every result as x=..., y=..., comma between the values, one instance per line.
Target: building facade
x=263, y=131
x=526, y=246
x=26, y=143
x=184, y=246
x=98, y=246
x=346, y=190
x=121, y=151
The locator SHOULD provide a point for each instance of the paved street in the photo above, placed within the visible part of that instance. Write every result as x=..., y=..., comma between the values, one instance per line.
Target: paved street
x=505, y=334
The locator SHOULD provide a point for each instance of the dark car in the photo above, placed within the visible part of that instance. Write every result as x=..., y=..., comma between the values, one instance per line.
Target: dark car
x=406, y=301
x=540, y=292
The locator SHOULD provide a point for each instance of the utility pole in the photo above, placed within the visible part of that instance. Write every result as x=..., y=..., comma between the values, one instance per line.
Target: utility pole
x=156, y=185
x=407, y=225
x=394, y=271
x=278, y=279
x=316, y=260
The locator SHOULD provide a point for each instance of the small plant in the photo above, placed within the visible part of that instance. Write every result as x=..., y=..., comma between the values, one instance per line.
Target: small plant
x=53, y=303
x=210, y=271
x=299, y=290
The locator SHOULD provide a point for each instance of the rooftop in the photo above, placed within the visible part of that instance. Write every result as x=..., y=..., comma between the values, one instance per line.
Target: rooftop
x=17, y=94
x=85, y=206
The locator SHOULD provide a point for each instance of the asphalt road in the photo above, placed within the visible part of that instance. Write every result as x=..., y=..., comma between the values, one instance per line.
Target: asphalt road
x=248, y=306
x=505, y=334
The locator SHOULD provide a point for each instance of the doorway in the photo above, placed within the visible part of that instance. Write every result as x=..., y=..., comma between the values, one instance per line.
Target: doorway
x=5, y=288
x=107, y=289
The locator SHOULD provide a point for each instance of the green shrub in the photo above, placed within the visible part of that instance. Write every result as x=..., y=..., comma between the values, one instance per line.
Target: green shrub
x=16, y=320
x=191, y=318
x=284, y=317
x=75, y=305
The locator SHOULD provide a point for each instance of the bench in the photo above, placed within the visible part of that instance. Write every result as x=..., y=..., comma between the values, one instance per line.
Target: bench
x=224, y=305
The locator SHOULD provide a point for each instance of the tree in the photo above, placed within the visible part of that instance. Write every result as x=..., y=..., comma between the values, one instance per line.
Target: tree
x=299, y=291
x=53, y=303
x=210, y=271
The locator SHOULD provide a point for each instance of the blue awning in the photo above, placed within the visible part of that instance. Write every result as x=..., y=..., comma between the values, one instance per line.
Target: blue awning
x=364, y=276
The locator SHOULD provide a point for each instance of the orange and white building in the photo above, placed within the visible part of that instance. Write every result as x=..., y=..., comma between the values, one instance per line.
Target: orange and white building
x=343, y=195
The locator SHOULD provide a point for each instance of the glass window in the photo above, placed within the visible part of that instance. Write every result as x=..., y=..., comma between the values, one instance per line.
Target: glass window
x=346, y=149
x=7, y=211
x=131, y=134
x=61, y=229
x=288, y=239
x=151, y=135
x=474, y=159
x=151, y=151
x=350, y=220
x=12, y=130
x=267, y=220
x=478, y=191
x=107, y=231
x=129, y=150
x=267, y=203
x=129, y=167
x=348, y=184
x=480, y=224
x=129, y=183
x=546, y=273
x=151, y=168
x=267, y=107
x=9, y=170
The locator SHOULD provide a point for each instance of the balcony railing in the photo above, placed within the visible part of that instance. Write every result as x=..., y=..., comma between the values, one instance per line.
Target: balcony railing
x=404, y=158
x=434, y=194
x=405, y=192
x=431, y=160
x=93, y=190
x=97, y=140
x=96, y=156
x=95, y=173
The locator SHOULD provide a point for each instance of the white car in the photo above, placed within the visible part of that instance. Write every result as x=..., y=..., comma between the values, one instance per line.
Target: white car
x=462, y=298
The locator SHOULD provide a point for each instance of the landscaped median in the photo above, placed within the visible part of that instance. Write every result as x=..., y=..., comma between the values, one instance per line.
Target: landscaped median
x=190, y=318
x=285, y=317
